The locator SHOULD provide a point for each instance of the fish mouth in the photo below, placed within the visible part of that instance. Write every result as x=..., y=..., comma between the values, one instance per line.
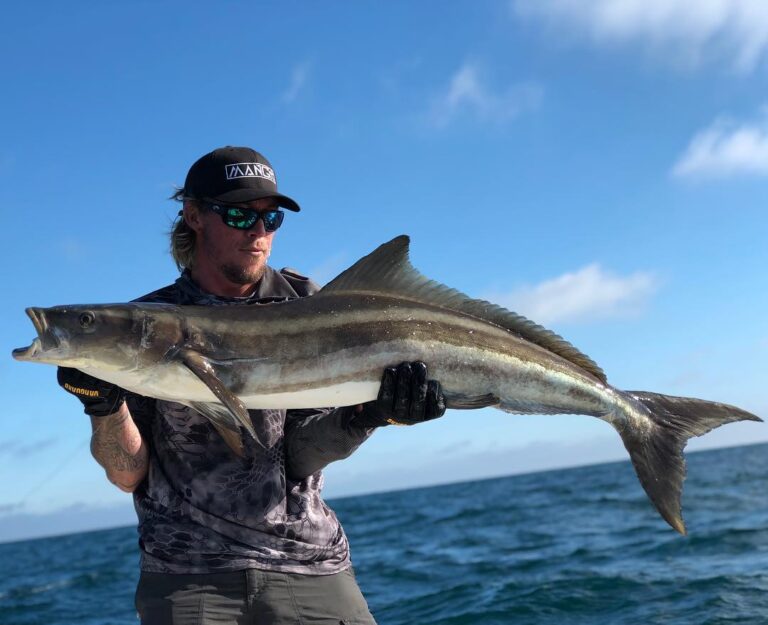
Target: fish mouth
x=46, y=340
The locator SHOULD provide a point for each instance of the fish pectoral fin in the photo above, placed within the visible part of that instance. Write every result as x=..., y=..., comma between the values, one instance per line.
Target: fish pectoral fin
x=470, y=402
x=203, y=369
x=221, y=419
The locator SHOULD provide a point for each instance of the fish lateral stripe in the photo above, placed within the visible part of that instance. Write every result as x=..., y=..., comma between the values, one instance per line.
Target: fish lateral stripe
x=388, y=269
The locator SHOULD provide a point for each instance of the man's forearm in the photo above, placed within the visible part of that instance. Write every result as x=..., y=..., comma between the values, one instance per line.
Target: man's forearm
x=312, y=442
x=116, y=444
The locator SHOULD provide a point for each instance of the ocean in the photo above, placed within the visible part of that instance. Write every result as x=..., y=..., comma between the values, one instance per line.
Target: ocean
x=573, y=546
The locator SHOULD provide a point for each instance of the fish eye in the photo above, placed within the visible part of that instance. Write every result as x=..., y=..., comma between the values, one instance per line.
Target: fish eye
x=86, y=319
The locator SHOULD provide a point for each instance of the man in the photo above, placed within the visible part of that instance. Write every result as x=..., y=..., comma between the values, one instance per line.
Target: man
x=223, y=538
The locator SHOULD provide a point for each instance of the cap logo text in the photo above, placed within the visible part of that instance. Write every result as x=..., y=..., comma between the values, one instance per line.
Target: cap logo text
x=250, y=170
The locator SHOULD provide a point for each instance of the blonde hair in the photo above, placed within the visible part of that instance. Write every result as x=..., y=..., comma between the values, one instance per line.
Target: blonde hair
x=182, y=237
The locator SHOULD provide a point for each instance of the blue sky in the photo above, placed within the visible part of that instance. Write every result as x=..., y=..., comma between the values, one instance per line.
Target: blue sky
x=601, y=168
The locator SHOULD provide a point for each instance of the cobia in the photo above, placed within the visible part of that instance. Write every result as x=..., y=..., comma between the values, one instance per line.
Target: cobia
x=330, y=350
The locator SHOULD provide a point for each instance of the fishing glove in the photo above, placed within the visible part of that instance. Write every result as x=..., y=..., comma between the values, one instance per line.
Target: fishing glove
x=406, y=397
x=98, y=397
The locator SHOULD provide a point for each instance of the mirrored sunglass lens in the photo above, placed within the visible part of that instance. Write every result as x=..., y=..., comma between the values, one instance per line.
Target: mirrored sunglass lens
x=272, y=220
x=240, y=218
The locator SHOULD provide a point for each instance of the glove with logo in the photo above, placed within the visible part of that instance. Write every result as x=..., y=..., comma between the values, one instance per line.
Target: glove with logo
x=98, y=397
x=406, y=397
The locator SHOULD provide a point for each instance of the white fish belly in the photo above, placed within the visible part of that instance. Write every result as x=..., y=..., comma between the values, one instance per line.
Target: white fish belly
x=175, y=383
x=168, y=382
x=344, y=394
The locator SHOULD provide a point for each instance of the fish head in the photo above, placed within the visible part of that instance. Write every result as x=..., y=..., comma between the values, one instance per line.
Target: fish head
x=105, y=336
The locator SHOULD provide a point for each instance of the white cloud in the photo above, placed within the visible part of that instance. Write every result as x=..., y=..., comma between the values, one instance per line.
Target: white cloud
x=469, y=93
x=299, y=76
x=683, y=31
x=727, y=148
x=588, y=294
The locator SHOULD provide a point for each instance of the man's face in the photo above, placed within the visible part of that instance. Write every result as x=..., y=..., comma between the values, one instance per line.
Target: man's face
x=240, y=256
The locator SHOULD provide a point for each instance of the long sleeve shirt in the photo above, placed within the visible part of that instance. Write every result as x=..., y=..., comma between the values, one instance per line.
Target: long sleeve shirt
x=204, y=509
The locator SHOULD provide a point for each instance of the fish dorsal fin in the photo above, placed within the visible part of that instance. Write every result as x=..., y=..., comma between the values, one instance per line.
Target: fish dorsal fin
x=388, y=270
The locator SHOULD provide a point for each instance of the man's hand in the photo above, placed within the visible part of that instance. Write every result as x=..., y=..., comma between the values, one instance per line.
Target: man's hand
x=99, y=398
x=406, y=397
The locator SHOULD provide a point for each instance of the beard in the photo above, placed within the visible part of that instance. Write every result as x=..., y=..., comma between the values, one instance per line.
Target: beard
x=243, y=275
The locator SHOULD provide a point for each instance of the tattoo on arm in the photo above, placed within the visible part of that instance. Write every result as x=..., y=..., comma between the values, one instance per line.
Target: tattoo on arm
x=117, y=446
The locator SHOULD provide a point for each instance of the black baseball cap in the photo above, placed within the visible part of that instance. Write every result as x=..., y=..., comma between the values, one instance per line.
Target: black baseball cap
x=233, y=175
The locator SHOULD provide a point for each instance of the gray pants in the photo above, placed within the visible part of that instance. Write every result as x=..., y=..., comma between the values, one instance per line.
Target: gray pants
x=251, y=597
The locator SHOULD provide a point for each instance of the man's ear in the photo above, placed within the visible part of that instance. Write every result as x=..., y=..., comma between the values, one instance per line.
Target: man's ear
x=192, y=215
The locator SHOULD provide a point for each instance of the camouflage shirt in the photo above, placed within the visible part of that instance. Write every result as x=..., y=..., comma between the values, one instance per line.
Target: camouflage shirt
x=203, y=509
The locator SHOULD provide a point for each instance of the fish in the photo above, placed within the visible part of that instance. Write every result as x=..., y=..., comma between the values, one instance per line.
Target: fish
x=330, y=349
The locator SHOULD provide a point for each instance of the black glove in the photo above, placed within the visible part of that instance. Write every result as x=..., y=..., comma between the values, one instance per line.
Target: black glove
x=405, y=397
x=99, y=398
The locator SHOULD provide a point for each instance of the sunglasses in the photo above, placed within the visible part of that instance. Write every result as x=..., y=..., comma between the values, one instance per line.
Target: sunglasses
x=246, y=218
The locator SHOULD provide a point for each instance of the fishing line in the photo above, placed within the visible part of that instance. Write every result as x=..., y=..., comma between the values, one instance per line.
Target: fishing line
x=57, y=469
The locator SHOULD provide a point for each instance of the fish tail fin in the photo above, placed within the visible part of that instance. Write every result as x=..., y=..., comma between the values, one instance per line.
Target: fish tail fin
x=657, y=452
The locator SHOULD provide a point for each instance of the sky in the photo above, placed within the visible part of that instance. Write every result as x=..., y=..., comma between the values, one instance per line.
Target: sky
x=601, y=168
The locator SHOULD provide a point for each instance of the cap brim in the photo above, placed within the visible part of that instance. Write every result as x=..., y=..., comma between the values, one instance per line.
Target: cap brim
x=238, y=196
